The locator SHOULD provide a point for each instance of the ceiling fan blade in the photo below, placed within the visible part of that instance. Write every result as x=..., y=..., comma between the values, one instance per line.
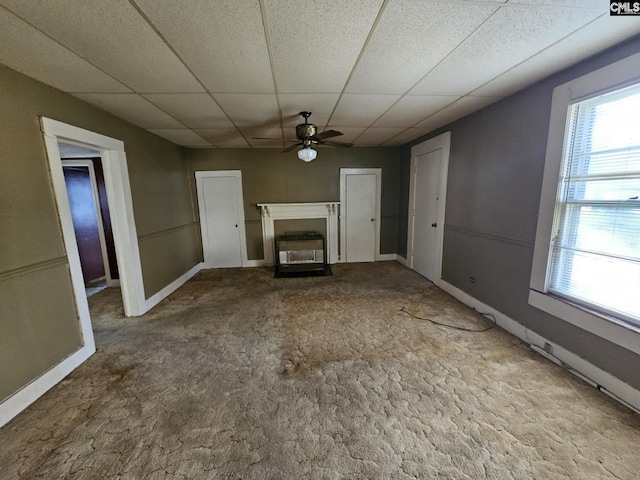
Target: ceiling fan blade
x=335, y=144
x=327, y=134
x=291, y=147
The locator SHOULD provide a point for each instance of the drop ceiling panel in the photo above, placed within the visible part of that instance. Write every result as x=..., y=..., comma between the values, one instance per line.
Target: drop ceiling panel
x=250, y=111
x=373, y=137
x=195, y=110
x=406, y=136
x=458, y=109
x=356, y=110
x=131, y=107
x=562, y=3
x=116, y=39
x=171, y=53
x=509, y=37
x=314, y=45
x=223, y=42
x=411, y=109
x=349, y=134
x=412, y=38
x=571, y=49
x=223, y=137
x=181, y=136
x=55, y=65
x=274, y=136
x=320, y=105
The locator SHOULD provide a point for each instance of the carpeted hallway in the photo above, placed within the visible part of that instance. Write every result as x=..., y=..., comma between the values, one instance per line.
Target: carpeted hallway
x=239, y=375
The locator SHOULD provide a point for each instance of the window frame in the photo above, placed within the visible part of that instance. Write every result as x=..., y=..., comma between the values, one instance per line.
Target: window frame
x=612, y=77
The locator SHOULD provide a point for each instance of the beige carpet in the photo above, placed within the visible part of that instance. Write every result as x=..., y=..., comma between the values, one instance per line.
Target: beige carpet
x=242, y=376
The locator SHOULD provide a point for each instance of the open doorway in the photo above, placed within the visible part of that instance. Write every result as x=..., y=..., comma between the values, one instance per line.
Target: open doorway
x=86, y=191
x=116, y=179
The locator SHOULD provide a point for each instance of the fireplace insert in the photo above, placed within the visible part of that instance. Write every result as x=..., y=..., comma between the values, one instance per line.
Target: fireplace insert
x=301, y=254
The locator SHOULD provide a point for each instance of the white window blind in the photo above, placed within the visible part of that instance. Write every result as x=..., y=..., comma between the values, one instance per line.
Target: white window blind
x=595, y=254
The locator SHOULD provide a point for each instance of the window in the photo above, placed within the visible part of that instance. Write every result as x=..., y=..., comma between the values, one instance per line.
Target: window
x=586, y=265
x=595, y=248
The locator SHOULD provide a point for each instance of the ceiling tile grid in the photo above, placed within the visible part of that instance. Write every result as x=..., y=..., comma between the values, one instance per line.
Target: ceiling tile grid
x=411, y=39
x=33, y=53
x=237, y=73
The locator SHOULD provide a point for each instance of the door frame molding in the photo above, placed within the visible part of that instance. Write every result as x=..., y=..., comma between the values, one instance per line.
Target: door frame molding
x=116, y=179
x=441, y=142
x=237, y=174
x=343, y=209
x=96, y=200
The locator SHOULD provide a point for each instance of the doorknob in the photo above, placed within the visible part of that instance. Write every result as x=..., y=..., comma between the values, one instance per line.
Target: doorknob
x=434, y=225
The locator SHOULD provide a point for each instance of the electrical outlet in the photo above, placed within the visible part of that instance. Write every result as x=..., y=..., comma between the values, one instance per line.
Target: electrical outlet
x=548, y=348
x=472, y=279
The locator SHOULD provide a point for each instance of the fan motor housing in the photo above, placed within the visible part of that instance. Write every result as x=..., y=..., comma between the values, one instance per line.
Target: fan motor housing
x=306, y=130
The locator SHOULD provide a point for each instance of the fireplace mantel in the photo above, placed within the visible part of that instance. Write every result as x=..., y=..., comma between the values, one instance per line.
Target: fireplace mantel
x=292, y=211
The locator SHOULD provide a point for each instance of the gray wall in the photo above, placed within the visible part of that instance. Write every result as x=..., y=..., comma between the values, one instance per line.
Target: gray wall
x=495, y=177
x=38, y=321
x=271, y=177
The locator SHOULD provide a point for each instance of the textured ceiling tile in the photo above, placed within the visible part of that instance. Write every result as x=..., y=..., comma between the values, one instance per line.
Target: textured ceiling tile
x=195, y=110
x=27, y=50
x=406, y=136
x=181, y=136
x=577, y=46
x=319, y=104
x=223, y=41
x=223, y=137
x=358, y=110
x=410, y=40
x=411, y=109
x=132, y=108
x=349, y=134
x=269, y=137
x=252, y=111
x=562, y=3
x=509, y=37
x=315, y=44
x=115, y=37
x=373, y=137
x=459, y=109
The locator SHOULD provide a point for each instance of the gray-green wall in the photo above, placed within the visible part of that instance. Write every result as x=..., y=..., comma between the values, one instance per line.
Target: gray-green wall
x=495, y=178
x=38, y=321
x=271, y=177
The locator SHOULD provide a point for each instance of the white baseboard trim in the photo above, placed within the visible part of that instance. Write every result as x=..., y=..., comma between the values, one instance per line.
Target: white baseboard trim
x=402, y=260
x=156, y=298
x=24, y=397
x=386, y=257
x=583, y=369
x=254, y=263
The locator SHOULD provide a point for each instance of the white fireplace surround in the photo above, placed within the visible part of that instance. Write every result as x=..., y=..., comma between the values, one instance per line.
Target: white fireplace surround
x=294, y=211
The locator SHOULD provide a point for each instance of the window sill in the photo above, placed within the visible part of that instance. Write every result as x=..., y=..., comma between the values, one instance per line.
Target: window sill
x=615, y=331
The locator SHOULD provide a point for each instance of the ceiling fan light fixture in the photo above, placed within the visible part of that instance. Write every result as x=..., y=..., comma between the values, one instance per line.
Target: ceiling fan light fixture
x=307, y=154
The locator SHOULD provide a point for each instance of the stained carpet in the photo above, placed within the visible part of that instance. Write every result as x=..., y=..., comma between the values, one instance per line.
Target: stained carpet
x=239, y=375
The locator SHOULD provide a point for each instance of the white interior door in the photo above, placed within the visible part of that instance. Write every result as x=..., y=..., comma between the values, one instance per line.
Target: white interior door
x=360, y=214
x=427, y=195
x=221, y=218
x=425, y=226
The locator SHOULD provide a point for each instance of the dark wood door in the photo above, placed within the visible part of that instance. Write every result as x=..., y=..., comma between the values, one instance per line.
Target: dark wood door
x=85, y=221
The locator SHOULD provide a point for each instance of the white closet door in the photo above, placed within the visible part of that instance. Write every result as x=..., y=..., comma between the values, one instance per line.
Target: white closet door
x=221, y=218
